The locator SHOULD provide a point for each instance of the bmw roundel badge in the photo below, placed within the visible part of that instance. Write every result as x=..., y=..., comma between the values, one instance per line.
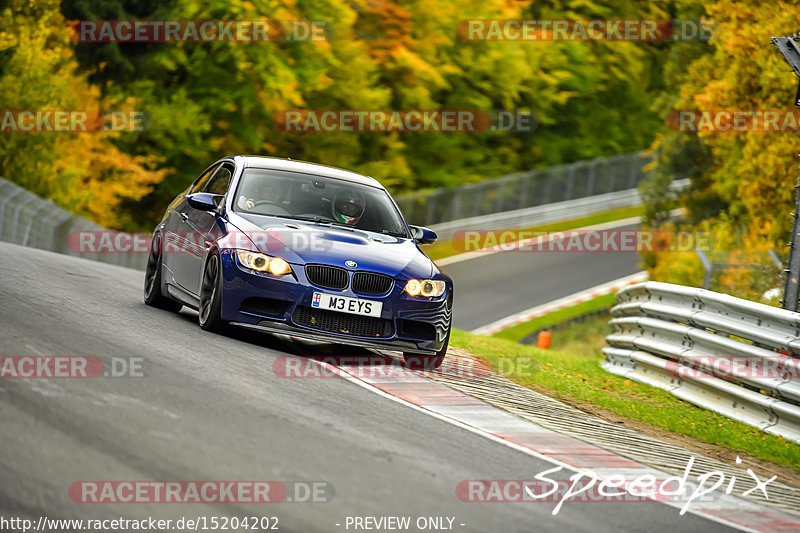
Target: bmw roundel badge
x=350, y=264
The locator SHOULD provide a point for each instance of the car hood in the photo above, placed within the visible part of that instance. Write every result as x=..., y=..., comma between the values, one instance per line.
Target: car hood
x=301, y=242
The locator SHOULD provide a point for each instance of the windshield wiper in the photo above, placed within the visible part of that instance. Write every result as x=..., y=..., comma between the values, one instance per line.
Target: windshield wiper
x=394, y=233
x=320, y=220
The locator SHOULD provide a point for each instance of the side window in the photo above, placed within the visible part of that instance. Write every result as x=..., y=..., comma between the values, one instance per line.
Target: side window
x=203, y=180
x=218, y=184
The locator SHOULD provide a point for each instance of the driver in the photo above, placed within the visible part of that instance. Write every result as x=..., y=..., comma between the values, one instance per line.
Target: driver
x=348, y=206
x=264, y=191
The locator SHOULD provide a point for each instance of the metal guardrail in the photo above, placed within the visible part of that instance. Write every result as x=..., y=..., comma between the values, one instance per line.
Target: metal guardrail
x=549, y=213
x=540, y=215
x=29, y=220
x=726, y=354
x=522, y=190
x=518, y=200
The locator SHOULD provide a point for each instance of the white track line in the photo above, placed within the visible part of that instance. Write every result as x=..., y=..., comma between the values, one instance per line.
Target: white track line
x=486, y=434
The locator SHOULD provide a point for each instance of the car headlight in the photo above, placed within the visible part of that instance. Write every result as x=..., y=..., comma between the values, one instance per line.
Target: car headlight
x=263, y=263
x=425, y=287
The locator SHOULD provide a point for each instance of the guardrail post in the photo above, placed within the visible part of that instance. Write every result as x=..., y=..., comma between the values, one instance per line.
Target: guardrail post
x=707, y=266
x=18, y=215
x=455, y=208
x=477, y=196
x=429, y=216
x=791, y=289
x=5, y=212
x=633, y=172
x=570, y=182
x=500, y=201
x=592, y=172
x=548, y=187
x=788, y=47
x=775, y=258
x=523, y=192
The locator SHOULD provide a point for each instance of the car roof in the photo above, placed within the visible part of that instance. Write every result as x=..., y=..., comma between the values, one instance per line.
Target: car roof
x=291, y=165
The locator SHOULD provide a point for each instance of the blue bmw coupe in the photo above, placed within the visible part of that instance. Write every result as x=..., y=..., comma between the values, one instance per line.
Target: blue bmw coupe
x=301, y=249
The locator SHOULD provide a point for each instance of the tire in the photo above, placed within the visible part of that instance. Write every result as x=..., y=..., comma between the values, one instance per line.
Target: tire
x=209, y=314
x=416, y=361
x=152, y=280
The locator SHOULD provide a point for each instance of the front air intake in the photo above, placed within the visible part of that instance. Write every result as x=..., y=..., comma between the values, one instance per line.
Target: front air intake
x=327, y=277
x=372, y=283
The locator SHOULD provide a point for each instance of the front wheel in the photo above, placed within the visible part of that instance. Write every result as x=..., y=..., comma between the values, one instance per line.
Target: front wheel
x=417, y=361
x=152, y=279
x=210, y=312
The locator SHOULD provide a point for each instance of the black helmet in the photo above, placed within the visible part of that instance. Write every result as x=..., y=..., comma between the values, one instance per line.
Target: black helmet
x=348, y=206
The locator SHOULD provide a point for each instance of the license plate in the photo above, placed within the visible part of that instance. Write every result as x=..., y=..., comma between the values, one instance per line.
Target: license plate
x=345, y=304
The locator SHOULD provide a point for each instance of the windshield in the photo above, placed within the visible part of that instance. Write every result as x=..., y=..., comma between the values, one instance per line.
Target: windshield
x=318, y=199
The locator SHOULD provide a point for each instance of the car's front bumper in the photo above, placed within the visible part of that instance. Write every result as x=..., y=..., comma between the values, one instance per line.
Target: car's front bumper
x=284, y=328
x=418, y=325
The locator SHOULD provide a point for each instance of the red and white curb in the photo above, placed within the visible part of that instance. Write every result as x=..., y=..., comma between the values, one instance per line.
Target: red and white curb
x=482, y=418
x=561, y=303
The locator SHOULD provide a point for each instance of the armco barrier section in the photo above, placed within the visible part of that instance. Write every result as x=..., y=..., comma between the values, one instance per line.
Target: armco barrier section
x=29, y=220
x=518, y=200
x=548, y=214
x=726, y=354
x=525, y=190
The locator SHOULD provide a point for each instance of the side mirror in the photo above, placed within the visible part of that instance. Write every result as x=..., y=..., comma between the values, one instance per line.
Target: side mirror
x=423, y=235
x=203, y=201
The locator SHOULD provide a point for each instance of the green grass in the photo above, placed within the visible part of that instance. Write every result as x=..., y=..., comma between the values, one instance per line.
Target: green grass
x=520, y=331
x=442, y=249
x=570, y=371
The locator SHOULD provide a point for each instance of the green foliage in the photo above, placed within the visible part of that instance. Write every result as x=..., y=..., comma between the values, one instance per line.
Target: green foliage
x=84, y=172
x=210, y=99
x=742, y=182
